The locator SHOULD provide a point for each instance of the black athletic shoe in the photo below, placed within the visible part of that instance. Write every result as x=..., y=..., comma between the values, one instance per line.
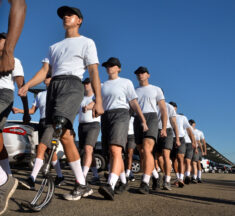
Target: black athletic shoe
x=107, y=192
x=194, y=181
x=144, y=188
x=121, y=188
x=59, y=181
x=181, y=183
x=131, y=178
x=78, y=192
x=199, y=180
x=187, y=180
x=154, y=183
x=95, y=181
x=28, y=183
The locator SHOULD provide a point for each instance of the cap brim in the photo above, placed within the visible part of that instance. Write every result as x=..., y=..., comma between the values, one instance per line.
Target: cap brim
x=3, y=36
x=61, y=11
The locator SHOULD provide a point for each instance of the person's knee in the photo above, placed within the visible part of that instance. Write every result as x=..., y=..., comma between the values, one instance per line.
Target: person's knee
x=89, y=150
x=115, y=150
x=3, y=153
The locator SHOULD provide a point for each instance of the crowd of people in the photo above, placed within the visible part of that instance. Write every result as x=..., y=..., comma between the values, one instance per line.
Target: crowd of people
x=127, y=117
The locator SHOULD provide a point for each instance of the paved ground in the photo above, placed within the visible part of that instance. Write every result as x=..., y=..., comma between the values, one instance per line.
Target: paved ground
x=216, y=196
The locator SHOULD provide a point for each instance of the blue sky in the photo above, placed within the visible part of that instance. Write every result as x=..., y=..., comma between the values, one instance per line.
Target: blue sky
x=187, y=45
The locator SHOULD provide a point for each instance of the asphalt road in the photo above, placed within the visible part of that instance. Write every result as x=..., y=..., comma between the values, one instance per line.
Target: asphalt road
x=215, y=196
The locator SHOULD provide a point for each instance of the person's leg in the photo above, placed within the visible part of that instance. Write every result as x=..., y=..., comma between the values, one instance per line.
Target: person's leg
x=187, y=170
x=129, y=159
x=194, y=172
x=87, y=159
x=4, y=162
x=160, y=162
x=141, y=154
x=180, y=158
x=199, y=171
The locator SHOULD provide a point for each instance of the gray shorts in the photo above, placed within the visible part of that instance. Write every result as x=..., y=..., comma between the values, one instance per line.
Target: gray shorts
x=189, y=151
x=199, y=154
x=152, y=123
x=6, y=103
x=130, y=142
x=114, y=128
x=165, y=142
x=178, y=150
x=195, y=156
x=64, y=96
x=88, y=134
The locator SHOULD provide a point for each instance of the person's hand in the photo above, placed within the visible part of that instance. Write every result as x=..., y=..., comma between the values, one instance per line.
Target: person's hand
x=23, y=91
x=84, y=109
x=26, y=118
x=144, y=126
x=196, y=151
x=97, y=110
x=194, y=145
x=205, y=153
x=15, y=110
x=7, y=63
x=163, y=133
x=177, y=142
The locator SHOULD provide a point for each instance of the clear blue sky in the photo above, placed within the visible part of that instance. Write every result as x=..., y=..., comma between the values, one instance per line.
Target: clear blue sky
x=188, y=46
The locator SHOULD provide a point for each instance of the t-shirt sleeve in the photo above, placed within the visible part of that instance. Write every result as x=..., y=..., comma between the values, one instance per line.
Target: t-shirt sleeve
x=131, y=94
x=171, y=111
x=90, y=56
x=202, y=135
x=160, y=95
x=46, y=60
x=186, y=123
x=18, y=70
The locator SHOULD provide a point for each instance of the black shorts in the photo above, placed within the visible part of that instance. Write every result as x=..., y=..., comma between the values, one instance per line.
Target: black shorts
x=178, y=150
x=189, y=151
x=6, y=103
x=64, y=96
x=114, y=128
x=130, y=142
x=195, y=156
x=152, y=132
x=165, y=142
x=88, y=134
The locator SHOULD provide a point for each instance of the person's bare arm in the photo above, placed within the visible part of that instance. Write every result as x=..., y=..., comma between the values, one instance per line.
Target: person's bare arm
x=15, y=26
x=26, y=117
x=38, y=78
x=95, y=83
x=175, y=128
x=204, y=145
x=163, y=110
x=88, y=107
x=32, y=110
x=136, y=108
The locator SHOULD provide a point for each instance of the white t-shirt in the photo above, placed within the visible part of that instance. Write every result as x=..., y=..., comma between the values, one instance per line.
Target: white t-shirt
x=182, y=123
x=186, y=137
x=87, y=117
x=148, y=97
x=170, y=113
x=117, y=93
x=131, y=126
x=71, y=56
x=8, y=81
x=40, y=103
x=197, y=136
x=201, y=134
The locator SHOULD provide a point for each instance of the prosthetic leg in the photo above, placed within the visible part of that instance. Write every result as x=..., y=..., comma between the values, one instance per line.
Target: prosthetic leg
x=45, y=193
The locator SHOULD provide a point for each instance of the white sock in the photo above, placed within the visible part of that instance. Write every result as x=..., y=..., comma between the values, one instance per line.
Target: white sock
x=177, y=175
x=77, y=170
x=128, y=173
x=158, y=169
x=6, y=166
x=146, y=178
x=187, y=173
x=3, y=176
x=85, y=170
x=155, y=174
x=123, y=177
x=181, y=176
x=56, y=165
x=95, y=172
x=195, y=176
x=37, y=166
x=167, y=178
x=113, y=178
x=199, y=174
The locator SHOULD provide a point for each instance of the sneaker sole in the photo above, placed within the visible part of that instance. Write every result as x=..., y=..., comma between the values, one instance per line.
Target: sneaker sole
x=9, y=196
x=105, y=193
x=72, y=198
x=88, y=193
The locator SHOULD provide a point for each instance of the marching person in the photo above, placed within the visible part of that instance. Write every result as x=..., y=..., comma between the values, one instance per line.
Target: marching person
x=8, y=183
x=118, y=96
x=88, y=131
x=68, y=60
x=149, y=96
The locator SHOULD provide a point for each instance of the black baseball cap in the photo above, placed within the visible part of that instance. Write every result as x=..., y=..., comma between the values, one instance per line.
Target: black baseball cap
x=3, y=35
x=173, y=104
x=61, y=11
x=112, y=62
x=86, y=81
x=191, y=121
x=141, y=69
